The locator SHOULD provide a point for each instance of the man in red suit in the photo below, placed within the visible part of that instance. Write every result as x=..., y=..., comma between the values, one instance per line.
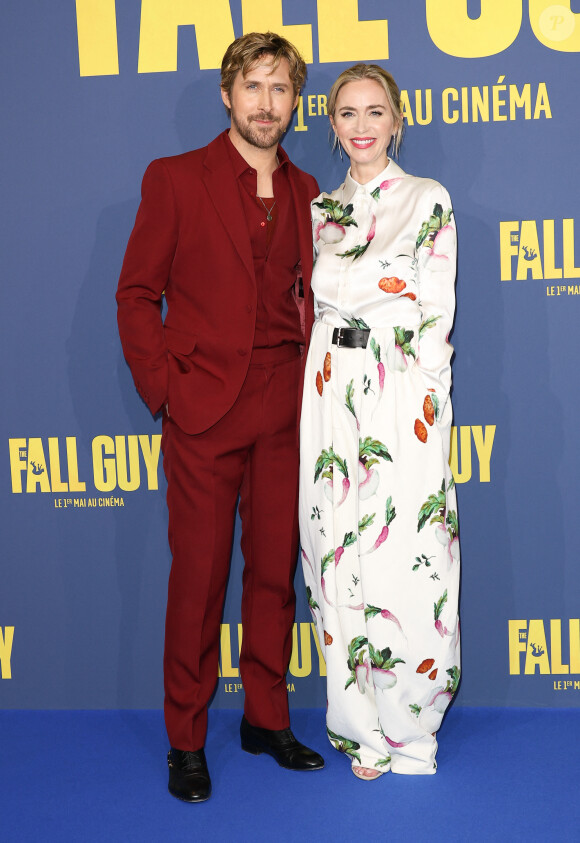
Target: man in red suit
x=224, y=233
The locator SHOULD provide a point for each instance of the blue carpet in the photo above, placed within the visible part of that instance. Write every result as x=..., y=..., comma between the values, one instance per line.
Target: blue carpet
x=504, y=774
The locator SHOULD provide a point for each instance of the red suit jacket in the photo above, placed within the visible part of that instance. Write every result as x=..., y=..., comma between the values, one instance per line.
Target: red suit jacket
x=191, y=241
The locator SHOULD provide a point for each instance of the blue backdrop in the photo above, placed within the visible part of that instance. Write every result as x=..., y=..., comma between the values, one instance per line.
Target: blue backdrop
x=91, y=94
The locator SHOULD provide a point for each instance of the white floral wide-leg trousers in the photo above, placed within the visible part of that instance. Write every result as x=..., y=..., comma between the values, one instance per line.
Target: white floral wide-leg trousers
x=380, y=552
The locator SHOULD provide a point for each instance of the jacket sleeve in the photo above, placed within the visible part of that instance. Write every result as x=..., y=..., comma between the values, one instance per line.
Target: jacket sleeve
x=437, y=260
x=144, y=276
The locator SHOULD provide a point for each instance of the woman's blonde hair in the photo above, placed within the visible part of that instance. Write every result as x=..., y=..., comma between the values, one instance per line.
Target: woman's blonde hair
x=247, y=50
x=387, y=83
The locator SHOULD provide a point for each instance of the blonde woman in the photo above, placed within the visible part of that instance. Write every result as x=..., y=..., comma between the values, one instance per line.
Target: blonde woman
x=378, y=514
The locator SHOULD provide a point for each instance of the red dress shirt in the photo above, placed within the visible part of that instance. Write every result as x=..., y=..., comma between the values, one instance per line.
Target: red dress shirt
x=275, y=251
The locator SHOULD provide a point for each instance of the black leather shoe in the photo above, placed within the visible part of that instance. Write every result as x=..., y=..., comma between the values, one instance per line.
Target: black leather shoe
x=188, y=775
x=281, y=745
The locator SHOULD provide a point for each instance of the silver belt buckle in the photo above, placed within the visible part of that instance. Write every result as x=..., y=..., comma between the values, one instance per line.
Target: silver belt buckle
x=339, y=337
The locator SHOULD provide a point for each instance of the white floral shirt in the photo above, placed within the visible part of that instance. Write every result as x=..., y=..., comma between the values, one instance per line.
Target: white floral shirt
x=386, y=256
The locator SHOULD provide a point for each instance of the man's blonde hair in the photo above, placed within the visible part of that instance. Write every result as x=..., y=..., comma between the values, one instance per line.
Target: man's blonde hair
x=387, y=83
x=250, y=48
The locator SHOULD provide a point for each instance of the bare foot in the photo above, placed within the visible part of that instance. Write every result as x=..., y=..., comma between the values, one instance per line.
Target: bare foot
x=366, y=773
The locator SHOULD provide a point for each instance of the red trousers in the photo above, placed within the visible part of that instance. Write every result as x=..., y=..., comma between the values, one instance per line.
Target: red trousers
x=251, y=452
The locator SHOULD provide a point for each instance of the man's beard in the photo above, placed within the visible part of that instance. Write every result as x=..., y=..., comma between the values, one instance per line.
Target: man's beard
x=263, y=138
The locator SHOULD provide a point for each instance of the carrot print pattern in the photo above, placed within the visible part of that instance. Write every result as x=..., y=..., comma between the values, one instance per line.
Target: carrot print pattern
x=435, y=511
x=382, y=664
x=370, y=451
x=349, y=402
x=332, y=227
x=431, y=714
x=344, y=745
x=325, y=468
x=437, y=609
x=358, y=251
x=384, y=185
x=358, y=664
x=373, y=611
x=399, y=349
x=432, y=228
x=376, y=350
x=390, y=515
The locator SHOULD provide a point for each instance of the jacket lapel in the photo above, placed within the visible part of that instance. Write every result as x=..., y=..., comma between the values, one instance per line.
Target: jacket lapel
x=302, y=204
x=222, y=187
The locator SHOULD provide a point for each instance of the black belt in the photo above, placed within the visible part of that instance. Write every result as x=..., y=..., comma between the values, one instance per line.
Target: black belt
x=350, y=337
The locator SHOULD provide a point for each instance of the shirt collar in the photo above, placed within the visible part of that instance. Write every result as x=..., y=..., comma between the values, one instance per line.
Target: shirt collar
x=240, y=164
x=391, y=171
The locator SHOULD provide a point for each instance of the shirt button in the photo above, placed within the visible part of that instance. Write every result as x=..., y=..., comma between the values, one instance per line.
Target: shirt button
x=242, y=352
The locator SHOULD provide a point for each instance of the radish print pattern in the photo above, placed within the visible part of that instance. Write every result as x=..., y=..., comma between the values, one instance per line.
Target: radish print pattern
x=378, y=514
